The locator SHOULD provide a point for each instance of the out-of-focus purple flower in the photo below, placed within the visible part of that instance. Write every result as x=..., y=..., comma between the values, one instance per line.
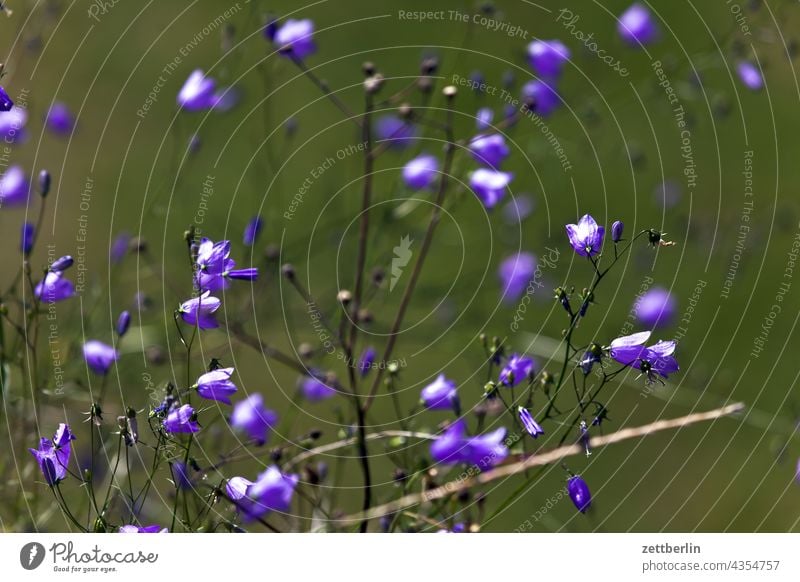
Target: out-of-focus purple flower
x=398, y=133
x=637, y=26
x=586, y=237
x=225, y=98
x=59, y=119
x=99, y=356
x=541, y=97
x=592, y=356
x=420, y=172
x=197, y=92
x=579, y=493
x=366, y=361
x=489, y=186
x=515, y=273
x=252, y=417
x=181, y=420
x=272, y=491
x=216, y=385
x=656, y=308
x=295, y=38
x=27, y=238
x=477, y=79
x=454, y=446
x=5, y=101
x=199, y=311
x=518, y=369
x=236, y=488
x=483, y=118
x=119, y=247
x=616, y=231
x=531, y=426
x=123, y=323
x=489, y=150
x=750, y=75
x=797, y=474
x=54, y=287
x=12, y=124
x=314, y=389
x=53, y=456
x=547, y=57
x=14, y=187
x=668, y=193
x=518, y=208
x=61, y=264
x=252, y=230
x=657, y=359
x=441, y=394
x=146, y=529
x=181, y=476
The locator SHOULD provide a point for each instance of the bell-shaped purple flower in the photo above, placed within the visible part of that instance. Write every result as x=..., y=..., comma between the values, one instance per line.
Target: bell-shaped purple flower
x=181, y=420
x=484, y=118
x=253, y=418
x=123, y=323
x=249, y=274
x=518, y=368
x=454, y=446
x=59, y=119
x=586, y=237
x=366, y=361
x=200, y=311
x=531, y=426
x=637, y=26
x=225, y=99
x=518, y=208
x=656, y=308
x=315, y=389
x=27, y=237
x=61, y=264
x=213, y=261
x=145, y=529
x=515, y=273
x=12, y=124
x=489, y=185
x=441, y=394
x=616, y=231
x=99, y=356
x=398, y=133
x=53, y=456
x=295, y=38
x=627, y=349
x=579, y=493
x=119, y=247
x=5, y=101
x=197, y=92
x=54, y=287
x=750, y=76
x=252, y=230
x=489, y=150
x=541, y=96
x=14, y=187
x=547, y=57
x=420, y=172
x=216, y=385
x=652, y=361
x=181, y=476
x=272, y=491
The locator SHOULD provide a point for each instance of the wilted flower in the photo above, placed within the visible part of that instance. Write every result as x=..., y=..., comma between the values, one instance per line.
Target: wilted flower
x=420, y=172
x=489, y=150
x=547, y=57
x=586, y=237
x=197, y=92
x=441, y=394
x=531, y=426
x=54, y=287
x=99, y=356
x=637, y=26
x=750, y=75
x=146, y=529
x=199, y=311
x=655, y=308
x=515, y=273
x=489, y=185
x=14, y=187
x=541, y=97
x=53, y=456
x=517, y=369
x=579, y=493
x=314, y=389
x=657, y=359
x=181, y=420
x=295, y=38
x=216, y=385
x=27, y=238
x=253, y=418
x=60, y=119
x=252, y=230
x=453, y=446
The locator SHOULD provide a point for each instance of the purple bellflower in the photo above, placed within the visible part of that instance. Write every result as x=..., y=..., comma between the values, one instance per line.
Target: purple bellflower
x=489, y=150
x=579, y=493
x=489, y=186
x=53, y=456
x=295, y=38
x=197, y=92
x=123, y=323
x=750, y=76
x=517, y=369
x=61, y=264
x=215, y=267
x=454, y=446
x=12, y=124
x=515, y=273
x=366, y=361
x=5, y=101
x=637, y=27
x=518, y=208
x=199, y=311
x=484, y=118
x=272, y=491
x=27, y=237
x=541, y=97
x=252, y=230
x=656, y=308
x=586, y=237
x=181, y=420
x=145, y=529
x=420, y=172
x=441, y=394
x=314, y=389
x=531, y=426
x=59, y=119
x=54, y=287
x=616, y=231
x=656, y=359
x=251, y=417
x=14, y=187
x=398, y=133
x=99, y=356
x=216, y=385
x=547, y=57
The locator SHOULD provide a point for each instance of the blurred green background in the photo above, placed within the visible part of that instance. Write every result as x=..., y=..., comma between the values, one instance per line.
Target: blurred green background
x=619, y=135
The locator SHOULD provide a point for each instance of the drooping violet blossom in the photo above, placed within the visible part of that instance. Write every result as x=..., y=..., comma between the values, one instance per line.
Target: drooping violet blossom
x=315, y=389
x=61, y=264
x=253, y=418
x=295, y=38
x=484, y=118
x=518, y=368
x=637, y=26
x=182, y=420
x=59, y=119
x=579, y=493
x=197, y=92
x=216, y=385
x=54, y=287
x=454, y=446
x=750, y=75
x=541, y=97
x=5, y=101
x=53, y=456
x=547, y=57
x=252, y=230
x=616, y=231
x=27, y=237
x=199, y=311
x=489, y=186
x=399, y=134
x=181, y=476
x=657, y=359
x=99, y=356
x=123, y=323
x=146, y=529
x=420, y=172
x=14, y=187
x=489, y=150
x=366, y=361
x=586, y=237
x=12, y=124
x=515, y=273
x=441, y=394
x=656, y=308
x=532, y=427
x=272, y=491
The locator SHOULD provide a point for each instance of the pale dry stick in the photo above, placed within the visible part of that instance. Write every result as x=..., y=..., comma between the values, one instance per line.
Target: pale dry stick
x=545, y=458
